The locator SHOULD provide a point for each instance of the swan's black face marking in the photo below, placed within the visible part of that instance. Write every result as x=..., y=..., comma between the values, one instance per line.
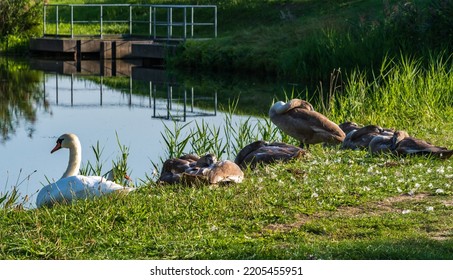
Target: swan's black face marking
x=58, y=145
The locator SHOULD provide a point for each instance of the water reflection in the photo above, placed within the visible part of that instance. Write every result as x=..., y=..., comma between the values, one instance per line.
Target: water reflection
x=168, y=101
x=20, y=97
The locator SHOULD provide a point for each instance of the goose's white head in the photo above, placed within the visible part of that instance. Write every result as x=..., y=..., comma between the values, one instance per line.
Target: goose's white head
x=67, y=140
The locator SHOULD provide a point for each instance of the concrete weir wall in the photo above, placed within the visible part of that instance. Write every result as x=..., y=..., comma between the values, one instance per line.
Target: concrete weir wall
x=103, y=48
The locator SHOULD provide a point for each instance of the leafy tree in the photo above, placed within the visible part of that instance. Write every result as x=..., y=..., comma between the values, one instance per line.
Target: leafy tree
x=19, y=18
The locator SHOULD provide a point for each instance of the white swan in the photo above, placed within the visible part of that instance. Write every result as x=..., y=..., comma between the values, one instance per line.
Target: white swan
x=72, y=186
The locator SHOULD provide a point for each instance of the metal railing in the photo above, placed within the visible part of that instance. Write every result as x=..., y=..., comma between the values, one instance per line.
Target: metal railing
x=130, y=20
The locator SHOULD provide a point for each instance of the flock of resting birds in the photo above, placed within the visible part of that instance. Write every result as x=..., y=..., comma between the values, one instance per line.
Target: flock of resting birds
x=297, y=118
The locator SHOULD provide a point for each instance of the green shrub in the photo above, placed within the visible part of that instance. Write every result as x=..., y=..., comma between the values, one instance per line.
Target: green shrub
x=14, y=32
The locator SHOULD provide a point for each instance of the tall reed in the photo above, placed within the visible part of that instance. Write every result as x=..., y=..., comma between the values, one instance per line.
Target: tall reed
x=402, y=93
x=120, y=169
x=12, y=198
x=224, y=140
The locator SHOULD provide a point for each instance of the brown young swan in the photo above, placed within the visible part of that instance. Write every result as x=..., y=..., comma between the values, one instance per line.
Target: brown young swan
x=261, y=152
x=407, y=145
x=298, y=119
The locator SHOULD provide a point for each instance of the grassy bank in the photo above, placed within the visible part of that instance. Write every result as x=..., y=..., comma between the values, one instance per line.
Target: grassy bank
x=302, y=41
x=331, y=204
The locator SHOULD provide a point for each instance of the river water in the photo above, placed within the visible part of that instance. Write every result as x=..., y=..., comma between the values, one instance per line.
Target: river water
x=103, y=109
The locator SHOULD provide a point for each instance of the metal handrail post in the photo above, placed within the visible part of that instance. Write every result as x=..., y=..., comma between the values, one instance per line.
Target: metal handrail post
x=57, y=20
x=150, y=20
x=44, y=19
x=155, y=23
x=100, y=20
x=191, y=22
x=130, y=20
x=169, y=23
x=215, y=21
x=185, y=23
x=72, y=21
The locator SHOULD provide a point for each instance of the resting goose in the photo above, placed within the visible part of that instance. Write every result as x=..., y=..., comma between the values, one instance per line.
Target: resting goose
x=381, y=144
x=261, y=152
x=208, y=170
x=72, y=186
x=191, y=169
x=360, y=138
x=407, y=145
x=173, y=168
x=348, y=127
x=298, y=119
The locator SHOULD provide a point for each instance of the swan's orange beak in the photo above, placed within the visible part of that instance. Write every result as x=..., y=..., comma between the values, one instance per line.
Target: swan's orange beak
x=56, y=148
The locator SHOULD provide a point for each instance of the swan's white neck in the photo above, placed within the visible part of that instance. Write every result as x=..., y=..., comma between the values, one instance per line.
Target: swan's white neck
x=75, y=158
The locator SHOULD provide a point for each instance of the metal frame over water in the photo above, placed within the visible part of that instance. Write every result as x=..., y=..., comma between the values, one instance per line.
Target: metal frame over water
x=175, y=16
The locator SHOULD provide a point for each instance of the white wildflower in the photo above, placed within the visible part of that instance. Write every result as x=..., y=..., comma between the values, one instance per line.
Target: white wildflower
x=429, y=208
x=439, y=191
x=440, y=170
x=407, y=211
x=399, y=190
x=429, y=170
x=314, y=195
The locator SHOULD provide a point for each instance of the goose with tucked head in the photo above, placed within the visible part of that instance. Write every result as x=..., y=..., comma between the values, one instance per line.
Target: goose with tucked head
x=407, y=145
x=360, y=138
x=208, y=170
x=348, y=127
x=261, y=152
x=72, y=186
x=298, y=119
x=173, y=168
x=381, y=144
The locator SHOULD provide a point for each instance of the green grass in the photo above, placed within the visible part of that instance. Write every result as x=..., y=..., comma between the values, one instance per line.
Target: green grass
x=331, y=205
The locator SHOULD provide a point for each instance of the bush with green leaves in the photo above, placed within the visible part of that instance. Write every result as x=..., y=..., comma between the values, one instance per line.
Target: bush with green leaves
x=19, y=19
